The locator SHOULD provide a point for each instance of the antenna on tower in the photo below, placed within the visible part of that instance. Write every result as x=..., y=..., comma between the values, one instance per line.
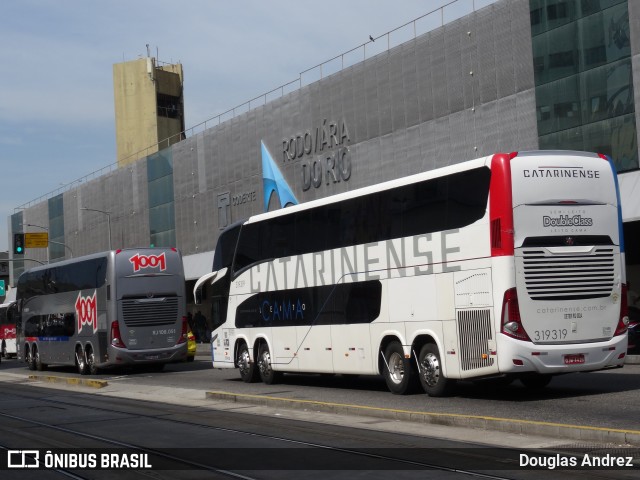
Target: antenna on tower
x=150, y=65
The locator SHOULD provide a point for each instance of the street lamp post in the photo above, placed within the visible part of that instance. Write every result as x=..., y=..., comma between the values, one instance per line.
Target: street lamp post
x=50, y=241
x=108, y=214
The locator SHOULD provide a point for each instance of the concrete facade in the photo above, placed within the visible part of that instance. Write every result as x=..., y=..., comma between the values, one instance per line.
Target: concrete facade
x=141, y=120
x=459, y=92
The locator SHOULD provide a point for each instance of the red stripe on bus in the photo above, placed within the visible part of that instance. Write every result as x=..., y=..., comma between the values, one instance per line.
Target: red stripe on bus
x=501, y=205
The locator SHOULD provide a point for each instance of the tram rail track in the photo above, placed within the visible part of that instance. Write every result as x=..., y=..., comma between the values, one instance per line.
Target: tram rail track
x=179, y=462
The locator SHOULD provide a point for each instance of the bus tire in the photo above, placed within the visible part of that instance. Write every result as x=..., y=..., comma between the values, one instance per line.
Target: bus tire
x=81, y=361
x=91, y=367
x=535, y=381
x=38, y=362
x=398, y=371
x=434, y=383
x=265, y=368
x=31, y=360
x=247, y=368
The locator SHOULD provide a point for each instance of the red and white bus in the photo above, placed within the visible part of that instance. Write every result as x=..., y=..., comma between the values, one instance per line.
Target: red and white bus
x=508, y=266
x=8, y=313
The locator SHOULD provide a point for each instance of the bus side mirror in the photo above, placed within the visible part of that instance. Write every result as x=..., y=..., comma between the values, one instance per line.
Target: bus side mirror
x=197, y=294
x=212, y=277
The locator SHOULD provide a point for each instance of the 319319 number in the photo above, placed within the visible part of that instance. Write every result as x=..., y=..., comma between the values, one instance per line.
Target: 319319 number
x=544, y=335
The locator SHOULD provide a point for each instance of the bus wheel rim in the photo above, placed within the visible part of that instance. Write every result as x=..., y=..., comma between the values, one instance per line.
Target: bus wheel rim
x=431, y=369
x=265, y=366
x=243, y=362
x=396, y=368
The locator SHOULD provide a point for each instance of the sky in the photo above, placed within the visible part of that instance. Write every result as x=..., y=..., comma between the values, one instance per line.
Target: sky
x=56, y=67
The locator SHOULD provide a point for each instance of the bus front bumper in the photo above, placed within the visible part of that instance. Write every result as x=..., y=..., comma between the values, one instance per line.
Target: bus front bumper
x=119, y=356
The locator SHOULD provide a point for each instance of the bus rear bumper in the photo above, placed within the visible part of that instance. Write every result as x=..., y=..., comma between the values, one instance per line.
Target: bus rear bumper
x=118, y=356
x=523, y=357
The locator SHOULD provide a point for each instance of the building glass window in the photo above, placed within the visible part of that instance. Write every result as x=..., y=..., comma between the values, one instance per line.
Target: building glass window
x=168, y=106
x=583, y=77
x=56, y=228
x=162, y=224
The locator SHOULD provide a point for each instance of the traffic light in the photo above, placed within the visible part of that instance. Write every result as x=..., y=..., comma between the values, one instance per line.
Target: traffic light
x=18, y=243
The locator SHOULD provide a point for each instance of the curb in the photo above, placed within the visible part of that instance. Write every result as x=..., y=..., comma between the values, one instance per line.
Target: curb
x=70, y=381
x=526, y=427
x=632, y=360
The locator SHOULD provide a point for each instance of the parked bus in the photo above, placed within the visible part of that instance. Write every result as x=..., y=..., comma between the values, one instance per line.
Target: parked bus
x=122, y=307
x=509, y=266
x=8, y=315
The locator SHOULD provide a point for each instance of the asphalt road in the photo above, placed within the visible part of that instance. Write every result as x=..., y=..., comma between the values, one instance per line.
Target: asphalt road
x=579, y=408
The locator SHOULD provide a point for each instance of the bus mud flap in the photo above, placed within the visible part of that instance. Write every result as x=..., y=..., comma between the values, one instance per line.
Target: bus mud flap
x=385, y=361
x=417, y=361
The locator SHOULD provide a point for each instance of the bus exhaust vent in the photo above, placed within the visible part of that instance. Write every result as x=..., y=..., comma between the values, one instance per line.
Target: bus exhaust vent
x=149, y=312
x=474, y=332
x=568, y=276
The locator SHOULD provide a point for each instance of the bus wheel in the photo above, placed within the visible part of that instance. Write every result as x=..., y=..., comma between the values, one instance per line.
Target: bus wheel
x=81, y=362
x=91, y=367
x=398, y=372
x=247, y=368
x=31, y=359
x=267, y=374
x=536, y=381
x=434, y=383
x=38, y=362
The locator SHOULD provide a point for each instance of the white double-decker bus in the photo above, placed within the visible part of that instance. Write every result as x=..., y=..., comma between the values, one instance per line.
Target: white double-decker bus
x=116, y=308
x=509, y=266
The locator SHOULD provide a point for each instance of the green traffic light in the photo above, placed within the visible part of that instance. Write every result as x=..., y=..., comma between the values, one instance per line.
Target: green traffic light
x=19, y=249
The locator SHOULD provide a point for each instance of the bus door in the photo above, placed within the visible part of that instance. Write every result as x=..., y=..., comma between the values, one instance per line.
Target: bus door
x=214, y=287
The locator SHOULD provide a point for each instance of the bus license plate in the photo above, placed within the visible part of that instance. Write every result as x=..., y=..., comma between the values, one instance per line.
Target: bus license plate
x=574, y=359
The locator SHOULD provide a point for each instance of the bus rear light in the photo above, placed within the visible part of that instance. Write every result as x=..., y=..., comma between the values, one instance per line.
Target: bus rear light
x=518, y=362
x=622, y=355
x=185, y=329
x=116, y=339
x=623, y=321
x=496, y=233
x=511, y=321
